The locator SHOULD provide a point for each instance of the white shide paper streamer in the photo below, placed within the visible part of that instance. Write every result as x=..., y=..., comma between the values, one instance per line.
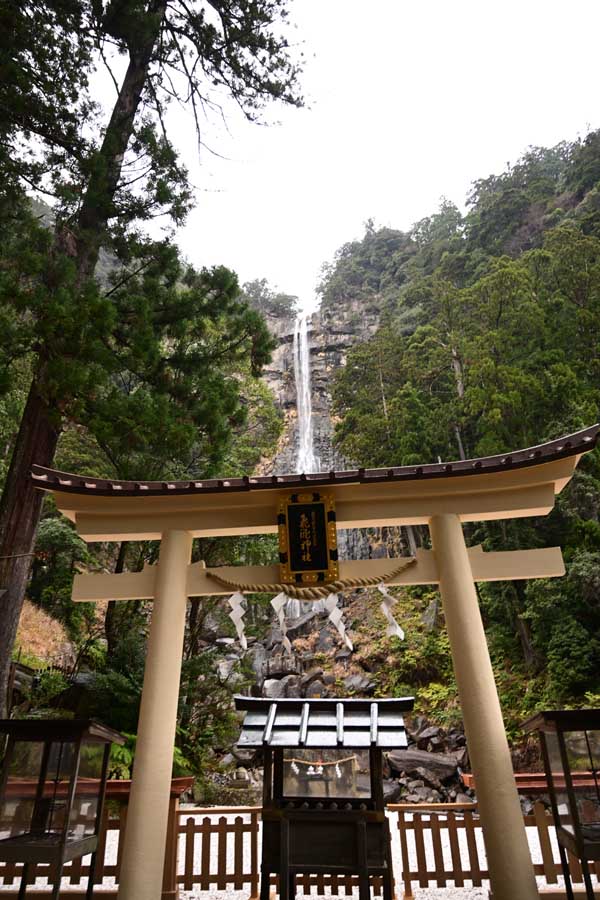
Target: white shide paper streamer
x=336, y=617
x=393, y=629
x=279, y=604
x=238, y=611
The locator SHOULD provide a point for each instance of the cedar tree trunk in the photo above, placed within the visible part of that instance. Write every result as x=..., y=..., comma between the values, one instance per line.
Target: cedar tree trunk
x=112, y=619
x=20, y=509
x=21, y=503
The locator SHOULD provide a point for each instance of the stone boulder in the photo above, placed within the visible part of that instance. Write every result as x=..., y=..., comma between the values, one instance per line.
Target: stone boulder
x=429, y=778
x=430, y=738
x=316, y=689
x=302, y=625
x=312, y=675
x=443, y=765
x=277, y=688
x=358, y=684
x=257, y=656
x=392, y=791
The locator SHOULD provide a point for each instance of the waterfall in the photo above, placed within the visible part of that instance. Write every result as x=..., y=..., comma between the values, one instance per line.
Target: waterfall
x=306, y=461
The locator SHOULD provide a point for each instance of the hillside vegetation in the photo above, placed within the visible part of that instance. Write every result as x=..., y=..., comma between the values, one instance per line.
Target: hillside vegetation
x=489, y=341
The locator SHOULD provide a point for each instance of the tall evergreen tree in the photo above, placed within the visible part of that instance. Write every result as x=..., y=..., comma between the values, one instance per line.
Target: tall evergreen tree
x=152, y=325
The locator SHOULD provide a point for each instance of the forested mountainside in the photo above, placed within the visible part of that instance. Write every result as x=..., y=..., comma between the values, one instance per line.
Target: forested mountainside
x=489, y=341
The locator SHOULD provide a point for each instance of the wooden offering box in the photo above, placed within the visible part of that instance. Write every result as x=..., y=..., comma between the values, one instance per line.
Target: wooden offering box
x=323, y=809
x=52, y=791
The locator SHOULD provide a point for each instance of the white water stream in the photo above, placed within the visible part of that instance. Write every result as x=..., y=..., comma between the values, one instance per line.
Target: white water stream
x=306, y=461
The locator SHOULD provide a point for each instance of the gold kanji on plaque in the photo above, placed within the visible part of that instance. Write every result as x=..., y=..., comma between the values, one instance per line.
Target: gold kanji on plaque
x=307, y=539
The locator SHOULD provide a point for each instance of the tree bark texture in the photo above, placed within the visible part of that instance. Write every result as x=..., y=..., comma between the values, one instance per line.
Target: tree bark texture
x=98, y=201
x=112, y=620
x=21, y=503
x=20, y=509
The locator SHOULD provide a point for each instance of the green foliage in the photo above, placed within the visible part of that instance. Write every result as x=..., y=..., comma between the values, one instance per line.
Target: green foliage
x=13, y=394
x=440, y=702
x=489, y=341
x=366, y=270
x=59, y=551
x=571, y=659
x=47, y=686
x=270, y=303
x=143, y=353
x=121, y=758
x=207, y=718
x=114, y=699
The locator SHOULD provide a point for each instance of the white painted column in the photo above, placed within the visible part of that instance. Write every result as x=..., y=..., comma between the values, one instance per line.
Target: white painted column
x=509, y=860
x=147, y=815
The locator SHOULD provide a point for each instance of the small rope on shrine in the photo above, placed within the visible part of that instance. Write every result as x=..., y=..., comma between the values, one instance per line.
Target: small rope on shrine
x=312, y=592
x=321, y=762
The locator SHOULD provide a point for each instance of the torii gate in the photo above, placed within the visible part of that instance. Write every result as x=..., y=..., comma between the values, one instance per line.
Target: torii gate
x=441, y=496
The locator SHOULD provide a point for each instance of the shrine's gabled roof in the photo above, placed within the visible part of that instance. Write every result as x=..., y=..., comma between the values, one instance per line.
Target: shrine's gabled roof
x=323, y=723
x=570, y=445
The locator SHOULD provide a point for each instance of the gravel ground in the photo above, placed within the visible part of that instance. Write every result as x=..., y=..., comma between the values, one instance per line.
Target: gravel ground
x=430, y=893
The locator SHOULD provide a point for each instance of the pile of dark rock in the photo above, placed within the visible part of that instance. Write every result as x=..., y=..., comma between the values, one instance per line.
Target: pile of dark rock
x=430, y=769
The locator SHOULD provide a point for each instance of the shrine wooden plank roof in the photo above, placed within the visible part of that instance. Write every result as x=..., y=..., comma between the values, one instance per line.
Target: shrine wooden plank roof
x=570, y=445
x=60, y=730
x=563, y=720
x=323, y=723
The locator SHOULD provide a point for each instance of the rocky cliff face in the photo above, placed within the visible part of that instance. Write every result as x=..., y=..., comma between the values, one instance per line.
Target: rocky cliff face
x=331, y=335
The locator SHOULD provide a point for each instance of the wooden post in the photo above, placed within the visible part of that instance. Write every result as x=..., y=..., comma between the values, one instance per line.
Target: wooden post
x=148, y=814
x=170, y=890
x=509, y=859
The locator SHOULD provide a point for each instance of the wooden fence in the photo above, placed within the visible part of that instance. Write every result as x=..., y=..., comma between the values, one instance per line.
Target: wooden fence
x=224, y=853
x=454, y=862
x=218, y=848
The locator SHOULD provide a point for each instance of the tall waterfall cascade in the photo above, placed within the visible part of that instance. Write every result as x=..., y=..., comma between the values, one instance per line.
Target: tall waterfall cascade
x=306, y=461
x=309, y=445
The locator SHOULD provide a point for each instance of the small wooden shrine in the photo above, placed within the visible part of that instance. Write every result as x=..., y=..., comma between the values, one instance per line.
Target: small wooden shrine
x=52, y=793
x=570, y=741
x=323, y=810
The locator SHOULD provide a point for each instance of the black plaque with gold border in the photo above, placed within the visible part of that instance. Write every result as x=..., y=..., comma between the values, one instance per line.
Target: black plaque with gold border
x=307, y=539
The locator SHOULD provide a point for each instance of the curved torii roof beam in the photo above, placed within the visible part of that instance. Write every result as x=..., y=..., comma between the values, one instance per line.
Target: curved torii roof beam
x=523, y=483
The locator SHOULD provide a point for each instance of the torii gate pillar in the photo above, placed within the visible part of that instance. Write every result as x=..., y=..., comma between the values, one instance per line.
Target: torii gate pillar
x=509, y=861
x=148, y=813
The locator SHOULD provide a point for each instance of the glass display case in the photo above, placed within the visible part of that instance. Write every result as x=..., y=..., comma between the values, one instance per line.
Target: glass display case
x=570, y=744
x=51, y=792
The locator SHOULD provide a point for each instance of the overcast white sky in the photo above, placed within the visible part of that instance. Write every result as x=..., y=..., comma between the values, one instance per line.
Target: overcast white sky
x=407, y=101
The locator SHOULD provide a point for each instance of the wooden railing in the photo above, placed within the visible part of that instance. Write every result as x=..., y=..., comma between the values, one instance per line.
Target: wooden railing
x=460, y=859
x=218, y=848
x=235, y=863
